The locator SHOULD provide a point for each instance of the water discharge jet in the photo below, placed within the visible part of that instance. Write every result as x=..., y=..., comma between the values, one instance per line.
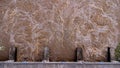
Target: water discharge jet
x=30, y=25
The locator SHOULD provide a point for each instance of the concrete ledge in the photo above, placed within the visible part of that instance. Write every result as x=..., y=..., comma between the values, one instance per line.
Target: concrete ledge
x=59, y=65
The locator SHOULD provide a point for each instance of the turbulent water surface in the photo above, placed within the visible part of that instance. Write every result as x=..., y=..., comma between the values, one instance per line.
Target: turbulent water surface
x=62, y=25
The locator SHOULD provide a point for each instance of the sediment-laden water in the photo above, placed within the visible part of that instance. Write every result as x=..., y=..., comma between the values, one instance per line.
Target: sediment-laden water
x=62, y=25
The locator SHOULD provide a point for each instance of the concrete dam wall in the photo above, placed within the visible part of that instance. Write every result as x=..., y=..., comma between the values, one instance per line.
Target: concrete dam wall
x=59, y=65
